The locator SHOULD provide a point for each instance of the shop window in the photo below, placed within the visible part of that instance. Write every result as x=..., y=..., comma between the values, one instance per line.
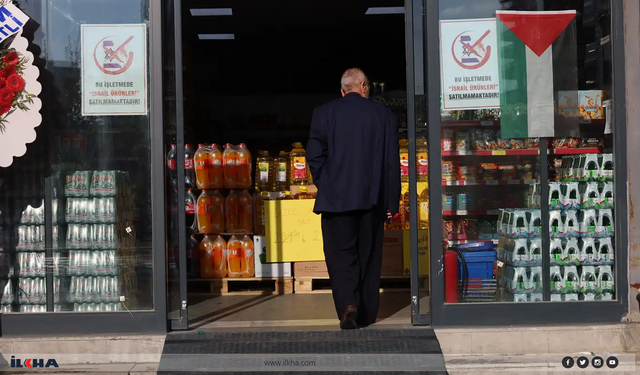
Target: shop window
x=521, y=108
x=92, y=150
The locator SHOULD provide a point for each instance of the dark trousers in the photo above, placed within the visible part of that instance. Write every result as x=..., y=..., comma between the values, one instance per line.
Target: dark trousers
x=353, y=252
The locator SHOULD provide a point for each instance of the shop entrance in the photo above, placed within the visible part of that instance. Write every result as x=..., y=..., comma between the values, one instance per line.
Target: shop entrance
x=247, y=77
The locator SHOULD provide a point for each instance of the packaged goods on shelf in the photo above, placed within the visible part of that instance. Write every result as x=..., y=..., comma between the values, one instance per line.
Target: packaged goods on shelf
x=208, y=166
x=213, y=257
x=241, y=257
x=590, y=104
x=299, y=167
x=237, y=166
x=239, y=212
x=210, y=212
x=264, y=269
x=265, y=172
x=282, y=171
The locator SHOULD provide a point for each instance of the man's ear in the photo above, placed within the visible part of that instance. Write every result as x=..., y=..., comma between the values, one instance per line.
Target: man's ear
x=342, y=92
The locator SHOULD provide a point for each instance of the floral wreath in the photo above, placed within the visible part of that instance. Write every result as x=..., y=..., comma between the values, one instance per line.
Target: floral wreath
x=13, y=95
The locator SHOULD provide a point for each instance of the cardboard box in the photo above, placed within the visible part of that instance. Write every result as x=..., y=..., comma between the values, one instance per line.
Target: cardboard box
x=392, y=259
x=264, y=269
x=392, y=254
x=423, y=252
x=310, y=269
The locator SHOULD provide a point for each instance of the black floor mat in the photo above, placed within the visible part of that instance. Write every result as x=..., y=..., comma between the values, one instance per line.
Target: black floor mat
x=370, y=351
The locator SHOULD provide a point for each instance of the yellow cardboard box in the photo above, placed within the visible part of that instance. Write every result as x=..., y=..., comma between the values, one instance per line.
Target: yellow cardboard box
x=423, y=252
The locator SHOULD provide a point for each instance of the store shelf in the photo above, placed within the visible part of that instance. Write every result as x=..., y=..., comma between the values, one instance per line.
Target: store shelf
x=488, y=182
x=447, y=124
x=471, y=213
x=491, y=153
x=461, y=242
x=592, y=122
x=576, y=151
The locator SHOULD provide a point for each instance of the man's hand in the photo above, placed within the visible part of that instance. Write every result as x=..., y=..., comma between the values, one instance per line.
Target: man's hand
x=389, y=216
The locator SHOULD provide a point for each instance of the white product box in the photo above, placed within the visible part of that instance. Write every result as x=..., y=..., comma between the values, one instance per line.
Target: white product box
x=268, y=269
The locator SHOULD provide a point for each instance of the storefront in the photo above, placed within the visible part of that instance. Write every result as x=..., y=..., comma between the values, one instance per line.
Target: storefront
x=517, y=107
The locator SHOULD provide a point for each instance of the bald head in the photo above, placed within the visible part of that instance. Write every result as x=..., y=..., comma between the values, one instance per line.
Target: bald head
x=354, y=80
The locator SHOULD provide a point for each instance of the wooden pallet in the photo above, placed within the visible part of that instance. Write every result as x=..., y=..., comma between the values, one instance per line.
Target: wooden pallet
x=248, y=286
x=306, y=285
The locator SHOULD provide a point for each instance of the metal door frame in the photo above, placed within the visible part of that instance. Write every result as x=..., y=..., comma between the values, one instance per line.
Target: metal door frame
x=505, y=314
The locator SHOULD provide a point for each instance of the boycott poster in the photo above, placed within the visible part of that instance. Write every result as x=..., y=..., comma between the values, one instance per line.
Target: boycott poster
x=469, y=64
x=114, y=70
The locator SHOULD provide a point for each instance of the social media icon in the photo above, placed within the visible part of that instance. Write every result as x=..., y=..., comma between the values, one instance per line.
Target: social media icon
x=583, y=362
x=597, y=362
x=567, y=362
x=612, y=362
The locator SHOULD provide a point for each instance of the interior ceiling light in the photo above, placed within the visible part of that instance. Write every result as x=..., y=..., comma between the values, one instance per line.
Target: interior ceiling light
x=211, y=12
x=385, y=10
x=216, y=36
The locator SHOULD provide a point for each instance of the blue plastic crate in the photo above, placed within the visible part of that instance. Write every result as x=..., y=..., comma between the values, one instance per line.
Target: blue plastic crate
x=480, y=264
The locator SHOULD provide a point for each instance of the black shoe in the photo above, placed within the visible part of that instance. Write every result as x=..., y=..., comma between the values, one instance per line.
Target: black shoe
x=349, y=318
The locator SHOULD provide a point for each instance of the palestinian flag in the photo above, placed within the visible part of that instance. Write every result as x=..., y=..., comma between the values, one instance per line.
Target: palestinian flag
x=537, y=58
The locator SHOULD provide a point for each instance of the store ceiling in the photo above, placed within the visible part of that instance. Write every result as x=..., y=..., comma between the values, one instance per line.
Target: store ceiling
x=292, y=46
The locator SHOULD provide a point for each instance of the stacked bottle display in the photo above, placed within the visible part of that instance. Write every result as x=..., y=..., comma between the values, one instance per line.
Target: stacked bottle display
x=218, y=205
x=100, y=242
x=581, y=229
x=520, y=249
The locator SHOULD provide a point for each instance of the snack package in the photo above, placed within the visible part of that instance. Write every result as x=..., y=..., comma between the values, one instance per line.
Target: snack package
x=532, y=143
x=448, y=171
x=447, y=140
x=591, y=142
x=566, y=142
x=477, y=140
x=462, y=141
x=568, y=103
x=489, y=171
x=590, y=104
x=490, y=139
x=503, y=143
x=525, y=171
x=517, y=144
x=508, y=172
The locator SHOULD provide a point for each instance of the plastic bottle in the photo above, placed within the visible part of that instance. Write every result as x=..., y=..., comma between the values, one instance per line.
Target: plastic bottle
x=229, y=166
x=206, y=257
x=216, y=176
x=193, y=257
x=190, y=203
x=423, y=160
x=219, y=258
x=264, y=172
x=234, y=257
x=423, y=206
x=245, y=212
x=298, y=165
x=243, y=167
x=189, y=171
x=404, y=160
x=303, y=193
x=282, y=177
x=171, y=165
x=202, y=161
x=231, y=209
x=248, y=257
x=217, y=212
x=205, y=213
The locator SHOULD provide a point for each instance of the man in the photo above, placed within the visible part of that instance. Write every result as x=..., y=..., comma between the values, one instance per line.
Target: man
x=353, y=155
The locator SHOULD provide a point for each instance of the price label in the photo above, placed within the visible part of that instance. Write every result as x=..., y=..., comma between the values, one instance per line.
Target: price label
x=462, y=212
x=464, y=152
x=450, y=183
x=500, y=264
x=492, y=182
x=493, y=212
x=499, y=152
x=514, y=182
x=529, y=181
x=486, y=123
x=471, y=183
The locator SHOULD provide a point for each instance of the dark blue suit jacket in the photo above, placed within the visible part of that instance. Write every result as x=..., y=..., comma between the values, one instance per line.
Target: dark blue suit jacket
x=353, y=155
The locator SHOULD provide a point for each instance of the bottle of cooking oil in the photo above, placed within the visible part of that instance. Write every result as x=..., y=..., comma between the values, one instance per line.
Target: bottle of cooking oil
x=284, y=195
x=303, y=193
x=404, y=160
x=299, y=168
x=282, y=171
x=423, y=209
x=264, y=172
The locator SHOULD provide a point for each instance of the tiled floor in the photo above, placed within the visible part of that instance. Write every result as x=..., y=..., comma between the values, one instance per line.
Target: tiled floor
x=294, y=311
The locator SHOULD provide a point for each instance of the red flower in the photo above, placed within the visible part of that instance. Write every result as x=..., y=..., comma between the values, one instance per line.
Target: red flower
x=6, y=95
x=6, y=72
x=15, y=83
x=11, y=58
x=3, y=84
x=5, y=105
